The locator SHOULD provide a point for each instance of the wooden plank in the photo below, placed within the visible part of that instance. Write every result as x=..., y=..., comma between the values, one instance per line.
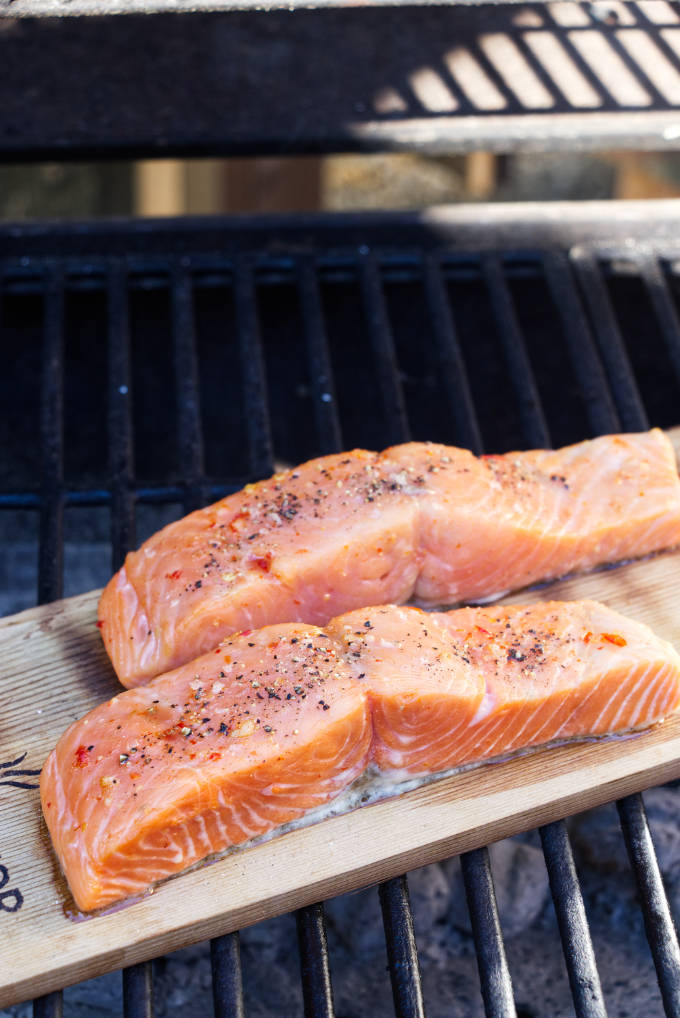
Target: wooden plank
x=55, y=669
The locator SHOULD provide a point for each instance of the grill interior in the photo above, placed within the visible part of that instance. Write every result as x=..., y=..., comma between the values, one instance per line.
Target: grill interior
x=153, y=371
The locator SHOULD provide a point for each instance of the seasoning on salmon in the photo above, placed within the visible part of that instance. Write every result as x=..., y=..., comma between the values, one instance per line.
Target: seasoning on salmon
x=280, y=720
x=417, y=521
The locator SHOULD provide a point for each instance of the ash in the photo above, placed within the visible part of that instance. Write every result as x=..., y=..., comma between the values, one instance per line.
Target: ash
x=359, y=972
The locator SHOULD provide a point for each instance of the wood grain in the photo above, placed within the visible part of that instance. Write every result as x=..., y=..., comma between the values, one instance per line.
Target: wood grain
x=54, y=669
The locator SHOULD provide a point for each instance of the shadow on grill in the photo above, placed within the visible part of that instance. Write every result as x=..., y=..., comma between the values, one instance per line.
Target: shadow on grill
x=400, y=70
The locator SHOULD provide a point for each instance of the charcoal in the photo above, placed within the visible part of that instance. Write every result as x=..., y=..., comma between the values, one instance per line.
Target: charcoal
x=354, y=923
x=662, y=805
x=597, y=841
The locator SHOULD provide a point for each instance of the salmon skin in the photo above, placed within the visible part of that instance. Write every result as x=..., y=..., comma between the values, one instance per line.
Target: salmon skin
x=275, y=722
x=420, y=521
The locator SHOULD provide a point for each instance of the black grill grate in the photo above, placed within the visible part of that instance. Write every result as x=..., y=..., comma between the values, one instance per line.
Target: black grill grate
x=416, y=361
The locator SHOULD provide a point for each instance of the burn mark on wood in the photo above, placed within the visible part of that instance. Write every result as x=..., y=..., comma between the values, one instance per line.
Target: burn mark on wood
x=12, y=899
x=9, y=774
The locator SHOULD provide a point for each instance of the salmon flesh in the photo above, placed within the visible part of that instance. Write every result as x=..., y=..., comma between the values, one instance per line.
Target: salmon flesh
x=280, y=720
x=420, y=521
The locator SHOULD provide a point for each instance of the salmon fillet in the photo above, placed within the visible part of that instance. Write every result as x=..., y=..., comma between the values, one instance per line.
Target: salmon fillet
x=417, y=521
x=278, y=721
x=211, y=754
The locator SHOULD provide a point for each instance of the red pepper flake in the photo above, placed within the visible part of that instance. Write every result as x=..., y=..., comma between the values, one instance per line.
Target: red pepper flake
x=614, y=638
x=174, y=576
x=245, y=632
x=239, y=516
x=215, y=756
x=263, y=562
x=588, y=637
x=176, y=730
x=99, y=624
x=82, y=756
x=480, y=629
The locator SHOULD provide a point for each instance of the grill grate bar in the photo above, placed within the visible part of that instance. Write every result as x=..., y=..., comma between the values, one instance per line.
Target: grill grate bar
x=664, y=308
x=450, y=363
x=610, y=341
x=398, y=920
x=493, y=966
x=317, y=991
x=531, y=414
x=658, y=922
x=138, y=991
x=659, y=925
x=137, y=979
x=189, y=431
x=602, y=416
x=51, y=550
x=49, y=1006
x=320, y=370
x=227, y=985
x=387, y=368
x=260, y=453
x=584, y=979
x=51, y=544
x=120, y=418
x=564, y=885
x=101, y=496
x=191, y=466
x=402, y=952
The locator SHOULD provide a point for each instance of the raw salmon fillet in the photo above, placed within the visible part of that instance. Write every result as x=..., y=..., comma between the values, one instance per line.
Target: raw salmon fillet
x=451, y=688
x=278, y=721
x=212, y=754
x=417, y=521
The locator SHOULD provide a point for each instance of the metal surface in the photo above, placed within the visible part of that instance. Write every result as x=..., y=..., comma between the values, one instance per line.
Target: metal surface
x=624, y=228
x=315, y=967
x=579, y=956
x=661, y=933
x=51, y=545
x=50, y=1006
x=493, y=966
x=138, y=991
x=79, y=8
x=402, y=951
x=226, y=977
x=433, y=78
x=495, y=327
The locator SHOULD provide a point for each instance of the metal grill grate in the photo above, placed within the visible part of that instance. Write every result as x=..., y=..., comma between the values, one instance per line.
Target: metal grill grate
x=321, y=335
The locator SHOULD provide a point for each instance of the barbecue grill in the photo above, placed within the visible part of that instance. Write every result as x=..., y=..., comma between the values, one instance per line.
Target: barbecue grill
x=159, y=365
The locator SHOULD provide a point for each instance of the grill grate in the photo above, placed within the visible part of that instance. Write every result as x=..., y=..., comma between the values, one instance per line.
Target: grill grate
x=557, y=296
